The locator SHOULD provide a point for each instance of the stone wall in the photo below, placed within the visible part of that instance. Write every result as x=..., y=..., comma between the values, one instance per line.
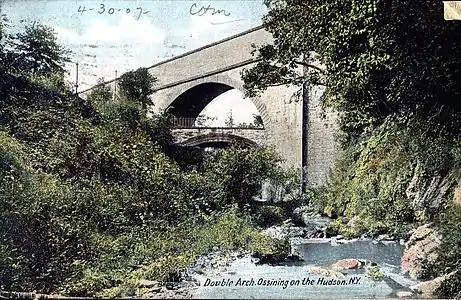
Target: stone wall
x=256, y=135
x=322, y=148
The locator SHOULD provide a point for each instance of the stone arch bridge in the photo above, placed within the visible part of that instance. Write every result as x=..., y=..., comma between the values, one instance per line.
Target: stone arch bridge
x=292, y=122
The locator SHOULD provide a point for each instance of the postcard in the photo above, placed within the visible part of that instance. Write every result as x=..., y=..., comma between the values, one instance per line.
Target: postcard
x=230, y=149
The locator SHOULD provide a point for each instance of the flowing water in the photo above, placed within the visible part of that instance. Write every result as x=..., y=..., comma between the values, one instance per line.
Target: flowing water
x=244, y=279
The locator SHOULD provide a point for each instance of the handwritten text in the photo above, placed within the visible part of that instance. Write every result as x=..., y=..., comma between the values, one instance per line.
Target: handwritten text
x=194, y=10
x=111, y=10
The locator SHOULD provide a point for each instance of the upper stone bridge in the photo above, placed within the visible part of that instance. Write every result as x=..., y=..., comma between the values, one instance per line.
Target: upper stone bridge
x=293, y=120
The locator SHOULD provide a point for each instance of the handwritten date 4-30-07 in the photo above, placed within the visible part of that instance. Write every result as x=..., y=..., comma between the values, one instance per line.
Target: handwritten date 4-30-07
x=103, y=9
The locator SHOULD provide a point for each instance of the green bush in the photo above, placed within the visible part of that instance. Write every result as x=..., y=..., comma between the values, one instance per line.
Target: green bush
x=153, y=253
x=241, y=171
x=449, y=253
x=266, y=216
x=94, y=195
x=371, y=177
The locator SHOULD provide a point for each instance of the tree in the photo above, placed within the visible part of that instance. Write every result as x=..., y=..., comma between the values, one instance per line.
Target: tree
x=230, y=119
x=137, y=86
x=102, y=93
x=258, y=120
x=380, y=59
x=38, y=52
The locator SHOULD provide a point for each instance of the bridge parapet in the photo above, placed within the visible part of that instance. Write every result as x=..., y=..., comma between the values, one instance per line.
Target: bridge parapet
x=197, y=135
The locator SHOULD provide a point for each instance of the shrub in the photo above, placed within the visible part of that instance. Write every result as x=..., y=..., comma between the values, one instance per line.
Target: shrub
x=449, y=253
x=266, y=216
x=371, y=179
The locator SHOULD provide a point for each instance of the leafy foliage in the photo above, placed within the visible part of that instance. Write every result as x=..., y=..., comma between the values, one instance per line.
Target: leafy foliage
x=137, y=86
x=378, y=59
x=449, y=252
x=94, y=195
x=391, y=71
x=37, y=52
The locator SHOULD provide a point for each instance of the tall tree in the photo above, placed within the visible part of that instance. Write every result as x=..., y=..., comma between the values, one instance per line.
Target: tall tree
x=38, y=52
x=137, y=86
x=379, y=58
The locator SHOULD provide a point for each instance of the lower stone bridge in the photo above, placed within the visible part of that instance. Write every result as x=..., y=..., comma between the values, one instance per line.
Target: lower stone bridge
x=219, y=137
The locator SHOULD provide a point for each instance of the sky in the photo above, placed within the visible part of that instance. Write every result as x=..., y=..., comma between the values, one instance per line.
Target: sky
x=118, y=36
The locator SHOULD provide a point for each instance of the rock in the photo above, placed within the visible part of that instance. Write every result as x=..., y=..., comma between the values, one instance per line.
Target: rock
x=155, y=289
x=143, y=283
x=281, y=232
x=404, y=294
x=275, y=232
x=349, y=263
x=293, y=231
x=352, y=222
x=287, y=222
x=384, y=237
x=274, y=259
x=428, y=195
x=298, y=213
x=420, y=233
x=345, y=264
x=427, y=289
x=325, y=272
x=420, y=247
x=457, y=192
x=330, y=212
x=315, y=222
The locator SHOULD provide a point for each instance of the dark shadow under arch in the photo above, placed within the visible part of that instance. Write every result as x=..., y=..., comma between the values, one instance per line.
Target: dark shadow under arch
x=191, y=102
x=219, y=140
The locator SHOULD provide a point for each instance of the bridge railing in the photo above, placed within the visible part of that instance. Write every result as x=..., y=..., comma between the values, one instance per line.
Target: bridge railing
x=189, y=123
x=183, y=122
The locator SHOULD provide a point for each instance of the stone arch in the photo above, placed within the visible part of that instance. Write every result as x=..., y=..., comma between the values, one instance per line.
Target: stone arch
x=224, y=80
x=217, y=138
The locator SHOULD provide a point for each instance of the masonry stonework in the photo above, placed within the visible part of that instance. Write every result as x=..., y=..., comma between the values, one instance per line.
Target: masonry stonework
x=258, y=136
x=222, y=63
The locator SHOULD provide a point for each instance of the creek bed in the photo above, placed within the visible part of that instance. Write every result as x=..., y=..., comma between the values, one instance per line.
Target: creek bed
x=244, y=279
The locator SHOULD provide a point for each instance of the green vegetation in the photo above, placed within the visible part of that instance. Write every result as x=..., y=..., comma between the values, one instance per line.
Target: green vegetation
x=375, y=274
x=94, y=195
x=391, y=70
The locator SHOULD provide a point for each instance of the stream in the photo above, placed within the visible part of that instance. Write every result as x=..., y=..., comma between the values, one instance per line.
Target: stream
x=313, y=277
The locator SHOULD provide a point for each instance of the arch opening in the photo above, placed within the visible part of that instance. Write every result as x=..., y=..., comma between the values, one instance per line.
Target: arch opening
x=214, y=104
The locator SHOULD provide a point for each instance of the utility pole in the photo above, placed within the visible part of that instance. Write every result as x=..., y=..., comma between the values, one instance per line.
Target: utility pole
x=304, y=131
x=76, y=79
x=115, y=85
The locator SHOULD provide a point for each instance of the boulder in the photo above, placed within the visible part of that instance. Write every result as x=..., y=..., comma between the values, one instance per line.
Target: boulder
x=349, y=263
x=420, y=247
x=385, y=237
x=298, y=213
x=428, y=289
x=275, y=193
x=316, y=221
x=326, y=272
x=143, y=283
x=275, y=259
x=404, y=294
